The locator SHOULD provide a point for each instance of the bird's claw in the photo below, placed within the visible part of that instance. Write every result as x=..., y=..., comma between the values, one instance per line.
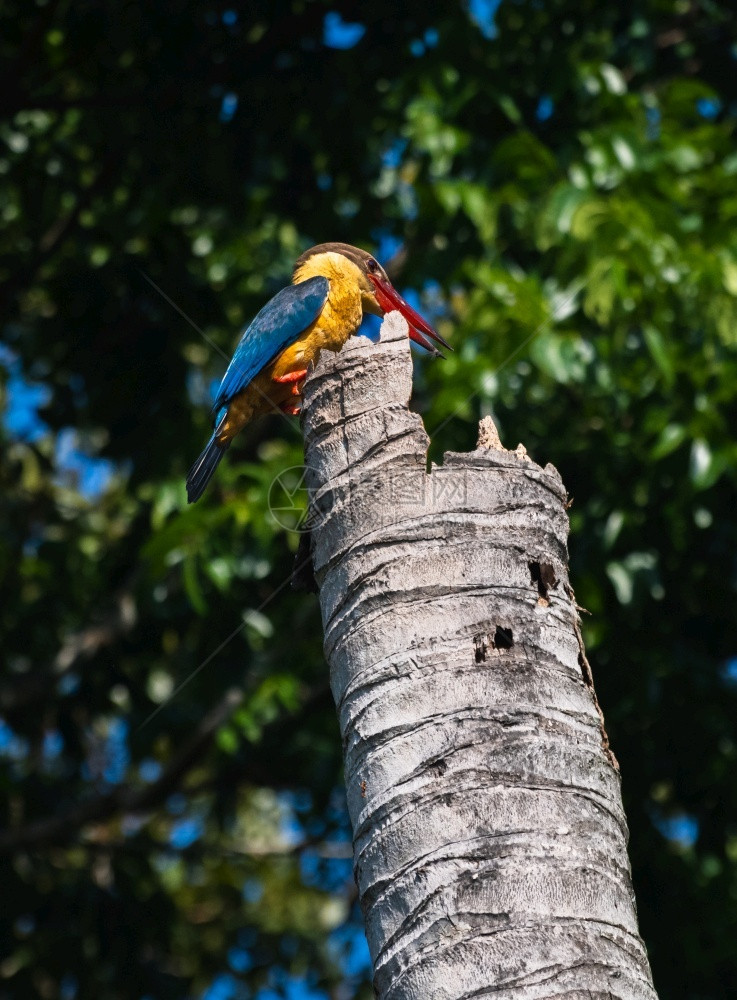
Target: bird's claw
x=298, y=376
x=293, y=409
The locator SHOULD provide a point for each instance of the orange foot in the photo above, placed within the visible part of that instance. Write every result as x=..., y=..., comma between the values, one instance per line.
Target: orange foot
x=292, y=376
x=295, y=379
x=291, y=408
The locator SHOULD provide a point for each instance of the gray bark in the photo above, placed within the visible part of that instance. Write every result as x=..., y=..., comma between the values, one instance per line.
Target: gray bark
x=490, y=843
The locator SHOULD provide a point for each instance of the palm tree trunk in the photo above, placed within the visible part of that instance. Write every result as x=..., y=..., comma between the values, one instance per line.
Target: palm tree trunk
x=490, y=843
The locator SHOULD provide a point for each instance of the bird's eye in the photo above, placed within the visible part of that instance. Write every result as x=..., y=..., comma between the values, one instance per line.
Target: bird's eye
x=372, y=266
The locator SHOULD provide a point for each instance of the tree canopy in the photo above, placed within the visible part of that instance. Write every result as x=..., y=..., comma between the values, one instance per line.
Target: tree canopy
x=556, y=182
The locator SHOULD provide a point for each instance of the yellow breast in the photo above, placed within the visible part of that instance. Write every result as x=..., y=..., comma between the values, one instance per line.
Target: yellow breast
x=342, y=314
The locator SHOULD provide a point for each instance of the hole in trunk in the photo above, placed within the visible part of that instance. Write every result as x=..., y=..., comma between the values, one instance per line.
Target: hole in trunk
x=479, y=648
x=503, y=638
x=544, y=576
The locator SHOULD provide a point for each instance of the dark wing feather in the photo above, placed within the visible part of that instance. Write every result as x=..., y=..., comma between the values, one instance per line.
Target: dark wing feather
x=278, y=325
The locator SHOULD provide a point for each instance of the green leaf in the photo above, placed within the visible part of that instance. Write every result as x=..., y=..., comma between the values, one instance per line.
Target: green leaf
x=660, y=351
x=706, y=465
x=588, y=217
x=670, y=438
x=600, y=291
x=191, y=583
x=565, y=357
x=227, y=739
x=729, y=276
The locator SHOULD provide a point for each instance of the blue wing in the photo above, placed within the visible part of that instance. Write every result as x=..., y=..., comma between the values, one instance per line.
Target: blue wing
x=277, y=326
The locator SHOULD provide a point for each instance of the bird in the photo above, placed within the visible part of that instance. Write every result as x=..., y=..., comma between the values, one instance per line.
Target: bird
x=333, y=286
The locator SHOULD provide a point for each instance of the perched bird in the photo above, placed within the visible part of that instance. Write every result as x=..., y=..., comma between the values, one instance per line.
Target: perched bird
x=334, y=284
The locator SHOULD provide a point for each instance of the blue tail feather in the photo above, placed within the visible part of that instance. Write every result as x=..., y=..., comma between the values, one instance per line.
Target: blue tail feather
x=202, y=471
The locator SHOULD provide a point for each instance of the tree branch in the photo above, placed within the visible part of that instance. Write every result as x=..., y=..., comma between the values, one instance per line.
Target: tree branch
x=97, y=809
x=57, y=830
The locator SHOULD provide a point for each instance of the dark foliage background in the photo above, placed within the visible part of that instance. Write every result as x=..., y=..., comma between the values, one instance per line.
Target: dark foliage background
x=556, y=182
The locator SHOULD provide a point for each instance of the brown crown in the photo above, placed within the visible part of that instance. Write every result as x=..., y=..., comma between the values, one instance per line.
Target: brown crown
x=358, y=256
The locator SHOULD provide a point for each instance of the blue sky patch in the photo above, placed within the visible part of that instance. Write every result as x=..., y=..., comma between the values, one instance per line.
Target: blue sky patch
x=679, y=828
x=545, y=108
x=709, y=107
x=483, y=12
x=340, y=34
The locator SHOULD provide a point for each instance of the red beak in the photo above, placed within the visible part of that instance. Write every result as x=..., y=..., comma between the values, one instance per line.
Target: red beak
x=419, y=330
